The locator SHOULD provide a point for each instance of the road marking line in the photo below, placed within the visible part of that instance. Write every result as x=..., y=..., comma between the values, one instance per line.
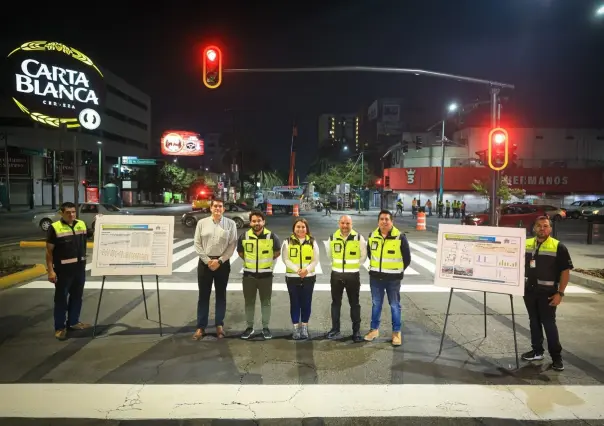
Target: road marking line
x=429, y=244
x=237, y=286
x=235, y=401
x=422, y=250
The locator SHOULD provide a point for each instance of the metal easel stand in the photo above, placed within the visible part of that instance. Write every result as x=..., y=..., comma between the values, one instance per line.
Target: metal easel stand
x=98, y=308
x=442, y=338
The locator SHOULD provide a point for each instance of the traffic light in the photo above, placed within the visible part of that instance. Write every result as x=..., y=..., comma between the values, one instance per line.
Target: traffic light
x=212, y=67
x=85, y=183
x=513, y=152
x=86, y=158
x=405, y=147
x=498, y=149
x=419, y=141
x=378, y=182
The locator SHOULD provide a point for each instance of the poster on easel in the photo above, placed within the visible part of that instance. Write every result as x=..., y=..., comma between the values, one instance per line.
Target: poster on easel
x=481, y=258
x=132, y=245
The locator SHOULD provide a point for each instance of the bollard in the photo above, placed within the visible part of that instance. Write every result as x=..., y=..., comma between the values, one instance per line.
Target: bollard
x=590, y=232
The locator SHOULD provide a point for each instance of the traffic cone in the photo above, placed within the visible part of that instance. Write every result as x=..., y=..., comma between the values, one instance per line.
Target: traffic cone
x=269, y=209
x=296, y=210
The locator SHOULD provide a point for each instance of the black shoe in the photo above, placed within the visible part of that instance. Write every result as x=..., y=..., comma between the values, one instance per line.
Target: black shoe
x=532, y=356
x=558, y=365
x=333, y=334
x=356, y=337
x=248, y=333
x=266, y=334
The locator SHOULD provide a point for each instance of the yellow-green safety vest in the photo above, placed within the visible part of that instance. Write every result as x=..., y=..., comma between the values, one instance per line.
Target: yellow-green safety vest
x=345, y=254
x=385, y=253
x=68, y=249
x=545, y=260
x=258, y=252
x=300, y=253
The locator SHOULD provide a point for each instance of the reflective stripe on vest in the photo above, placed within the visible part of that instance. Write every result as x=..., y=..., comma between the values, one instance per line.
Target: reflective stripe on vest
x=545, y=260
x=258, y=252
x=66, y=252
x=345, y=254
x=385, y=254
x=300, y=254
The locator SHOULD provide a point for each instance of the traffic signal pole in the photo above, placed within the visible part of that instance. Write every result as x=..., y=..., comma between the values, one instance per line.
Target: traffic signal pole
x=495, y=174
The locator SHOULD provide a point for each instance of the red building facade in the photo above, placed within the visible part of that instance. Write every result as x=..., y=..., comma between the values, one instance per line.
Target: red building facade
x=459, y=179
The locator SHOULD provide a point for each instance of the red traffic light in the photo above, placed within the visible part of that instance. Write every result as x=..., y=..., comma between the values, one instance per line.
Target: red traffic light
x=498, y=156
x=212, y=67
x=378, y=182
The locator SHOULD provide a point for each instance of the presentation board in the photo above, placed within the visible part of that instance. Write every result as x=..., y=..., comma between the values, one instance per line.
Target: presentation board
x=482, y=258
x=132, y=245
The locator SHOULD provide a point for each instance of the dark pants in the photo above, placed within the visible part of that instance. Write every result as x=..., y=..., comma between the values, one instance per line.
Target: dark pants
x=542, y=316
x=69, y=290
x=300, y=298
x=264, y=287
x=352, y=283
x=205, y=277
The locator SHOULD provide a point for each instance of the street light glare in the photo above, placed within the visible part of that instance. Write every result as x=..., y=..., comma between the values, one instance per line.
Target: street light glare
x=453, y=107
x=600, y=11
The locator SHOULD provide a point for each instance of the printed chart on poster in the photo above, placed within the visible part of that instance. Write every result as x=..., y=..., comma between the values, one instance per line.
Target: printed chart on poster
x=482, y=258
x=132, y=245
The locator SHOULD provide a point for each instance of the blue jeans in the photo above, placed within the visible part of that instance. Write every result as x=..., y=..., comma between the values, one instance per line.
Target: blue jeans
x=300, y=298
x=393, y=291
x=69, y=290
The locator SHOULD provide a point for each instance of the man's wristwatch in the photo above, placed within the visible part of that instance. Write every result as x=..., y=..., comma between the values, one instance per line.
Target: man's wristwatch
x=220, y=263
x=561, y=293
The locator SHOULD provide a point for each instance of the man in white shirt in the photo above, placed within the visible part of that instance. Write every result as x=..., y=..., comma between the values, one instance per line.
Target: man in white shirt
x=215, y=241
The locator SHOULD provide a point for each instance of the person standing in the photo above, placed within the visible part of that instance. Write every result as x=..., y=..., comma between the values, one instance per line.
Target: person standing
x=300, y=254
x=258, y=248
x=66, y=264
x=215, y=241
x=389, y=256
x=347, y=252
x=547, y=271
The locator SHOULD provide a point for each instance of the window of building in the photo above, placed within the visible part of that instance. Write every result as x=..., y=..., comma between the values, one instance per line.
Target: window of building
x=125, y=119
x=115, y=91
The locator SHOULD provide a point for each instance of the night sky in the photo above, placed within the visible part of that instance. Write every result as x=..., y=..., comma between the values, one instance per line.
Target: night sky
x=550, y=49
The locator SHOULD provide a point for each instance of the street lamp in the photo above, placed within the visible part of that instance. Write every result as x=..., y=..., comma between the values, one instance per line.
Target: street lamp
x=451, y=108
x=600, y=11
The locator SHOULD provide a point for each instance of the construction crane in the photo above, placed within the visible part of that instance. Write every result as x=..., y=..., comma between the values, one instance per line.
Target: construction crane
x=292, y=156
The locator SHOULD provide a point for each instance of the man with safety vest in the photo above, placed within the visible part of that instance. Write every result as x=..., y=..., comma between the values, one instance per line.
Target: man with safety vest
x=66, y=264
x=547, y=270
x=347, y=251
x=258, y=247
x=389, y=256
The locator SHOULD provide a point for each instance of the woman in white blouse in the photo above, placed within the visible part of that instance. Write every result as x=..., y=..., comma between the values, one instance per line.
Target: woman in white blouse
x=300, y=253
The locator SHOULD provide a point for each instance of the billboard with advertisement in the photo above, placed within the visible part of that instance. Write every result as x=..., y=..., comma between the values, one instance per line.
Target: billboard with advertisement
x=181, y=142
x=55, y=84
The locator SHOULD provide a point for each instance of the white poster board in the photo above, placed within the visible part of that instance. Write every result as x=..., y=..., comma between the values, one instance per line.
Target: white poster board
x=132, y=245
x=482, y=258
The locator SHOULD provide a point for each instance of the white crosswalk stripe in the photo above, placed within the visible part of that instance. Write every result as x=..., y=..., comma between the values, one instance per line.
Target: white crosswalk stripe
x=185, y=259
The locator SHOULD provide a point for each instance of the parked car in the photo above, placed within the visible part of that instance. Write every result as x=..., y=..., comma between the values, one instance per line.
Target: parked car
x=238, y=212
x=86, y=212
x=512, y=215
x=580, y=209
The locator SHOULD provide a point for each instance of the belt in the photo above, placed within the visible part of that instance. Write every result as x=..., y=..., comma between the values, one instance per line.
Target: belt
x=214, y=257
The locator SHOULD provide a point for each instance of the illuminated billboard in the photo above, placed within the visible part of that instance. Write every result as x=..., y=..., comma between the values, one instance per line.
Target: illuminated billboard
x=179, y=142
x=55, y=84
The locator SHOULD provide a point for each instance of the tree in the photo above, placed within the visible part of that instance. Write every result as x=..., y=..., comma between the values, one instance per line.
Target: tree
x=349, y=172
x=178, y=178
x=505, y=192
x=270, y=179
x=151, y=180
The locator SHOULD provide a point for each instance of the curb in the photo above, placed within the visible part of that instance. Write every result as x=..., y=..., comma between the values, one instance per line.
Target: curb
x=19, y=277
x=588, y=281
x=42, y=244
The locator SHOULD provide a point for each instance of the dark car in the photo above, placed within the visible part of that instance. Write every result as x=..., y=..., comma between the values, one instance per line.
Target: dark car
x=238, y=212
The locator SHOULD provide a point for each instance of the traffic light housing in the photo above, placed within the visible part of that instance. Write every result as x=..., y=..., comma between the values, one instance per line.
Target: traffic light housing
x=419, y=141
x=513, y=152
x=212, y=67
x=405, y=147
x=498, y=155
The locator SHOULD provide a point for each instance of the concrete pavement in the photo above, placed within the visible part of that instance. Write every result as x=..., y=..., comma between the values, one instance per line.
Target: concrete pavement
x=130, y=373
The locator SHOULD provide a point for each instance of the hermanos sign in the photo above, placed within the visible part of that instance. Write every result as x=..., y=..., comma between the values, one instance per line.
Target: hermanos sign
x=56, y=84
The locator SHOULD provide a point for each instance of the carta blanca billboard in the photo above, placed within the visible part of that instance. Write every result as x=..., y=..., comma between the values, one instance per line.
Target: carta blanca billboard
x=181, y=142
x=55, y=84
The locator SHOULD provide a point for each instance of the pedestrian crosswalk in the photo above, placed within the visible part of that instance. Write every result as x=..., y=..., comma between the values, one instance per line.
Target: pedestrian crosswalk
x=185, y=259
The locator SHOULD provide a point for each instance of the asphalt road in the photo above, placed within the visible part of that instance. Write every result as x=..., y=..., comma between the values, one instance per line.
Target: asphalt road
x=130, y=373
x=15, y=227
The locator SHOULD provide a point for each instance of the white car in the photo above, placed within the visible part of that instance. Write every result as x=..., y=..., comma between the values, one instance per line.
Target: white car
x=87, y=212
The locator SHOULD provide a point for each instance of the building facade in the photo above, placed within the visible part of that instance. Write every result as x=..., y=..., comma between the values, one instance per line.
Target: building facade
x=125, y=130
x=339, y=130
x=553, y=164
